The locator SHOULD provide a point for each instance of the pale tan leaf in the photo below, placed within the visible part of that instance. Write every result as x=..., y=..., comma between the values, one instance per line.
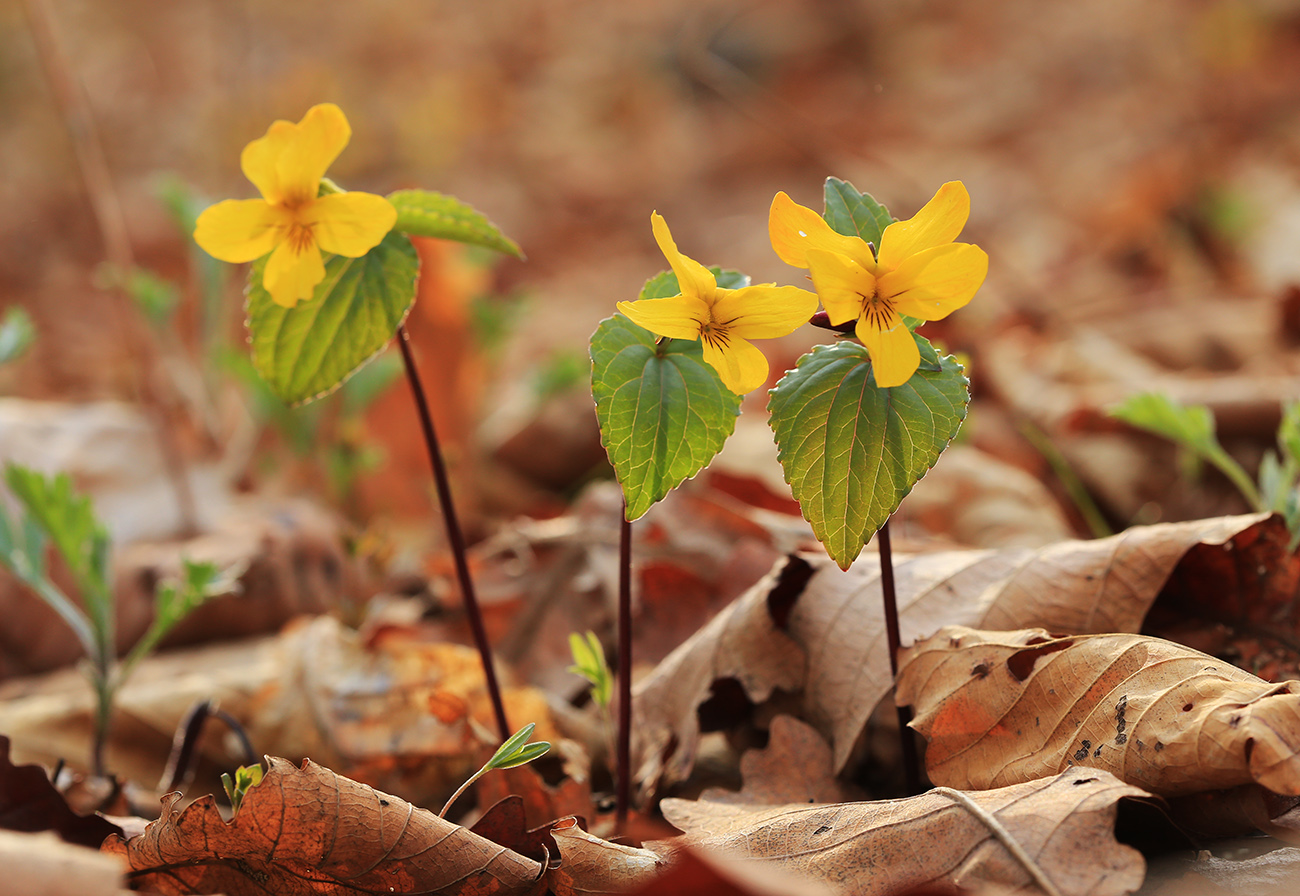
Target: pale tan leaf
x=307, y=831
x=742, y=642
x=43, y=865
x=1071, y=586
x=589, y=864
x=999, y=708
x=1061, y=827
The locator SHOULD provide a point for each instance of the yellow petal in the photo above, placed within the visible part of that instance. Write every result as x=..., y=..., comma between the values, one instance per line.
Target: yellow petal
x=741, y=365
x=292, y=275
x=936, y=224
x=260, y=159
x=350, y=224
x=239, y=230
x=693, y=278
x=763, y=312
x=843, y=285
x=893, y=351
x=678, y=317
x=934, y=283
x=321, y=136
x=795, y=230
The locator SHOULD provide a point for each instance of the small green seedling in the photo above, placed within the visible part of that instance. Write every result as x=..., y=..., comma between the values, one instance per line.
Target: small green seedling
x=53, y=513
x=516, y=751
x=1192, y=428
x=246, y=778
x=589, y=662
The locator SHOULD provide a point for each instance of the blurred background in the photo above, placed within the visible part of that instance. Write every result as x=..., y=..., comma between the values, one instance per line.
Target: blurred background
x=1134, y=170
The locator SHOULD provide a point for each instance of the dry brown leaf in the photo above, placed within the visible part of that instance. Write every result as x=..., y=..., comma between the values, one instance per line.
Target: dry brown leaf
x=590, y=865
x=999, y=708
x=1071, y=586
x=696, y=872
x=309, y=831
x=29, y=802
x=742, y=643
x=1064, y=827
x=795, y=767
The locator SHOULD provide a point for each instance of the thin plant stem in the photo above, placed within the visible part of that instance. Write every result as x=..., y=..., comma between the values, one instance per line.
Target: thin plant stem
x=624, y=794
x=454, y=535
x=906, y=742
x=107, y=209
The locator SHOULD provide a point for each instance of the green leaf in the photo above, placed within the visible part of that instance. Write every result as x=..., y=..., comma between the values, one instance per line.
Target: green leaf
x=1288, y=433
x=173, y=601
x=17, y=332
x=852, y=451
x=1192, y=428
x=425, y=213
x=853, y=213
x=516, y=750
x=308, y=350
x=663, y=412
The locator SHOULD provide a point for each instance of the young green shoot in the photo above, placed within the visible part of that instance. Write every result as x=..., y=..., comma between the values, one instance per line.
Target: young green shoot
x=52, y=513
x=516, y=751
x=246, y=778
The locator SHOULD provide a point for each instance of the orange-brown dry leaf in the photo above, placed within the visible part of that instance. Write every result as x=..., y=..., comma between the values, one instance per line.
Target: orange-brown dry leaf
x=309, y=831
x=794, y=767
x=1064, y=824
x=743, y=643
x=590, y=865
x=1072, y=586
x=999, y=708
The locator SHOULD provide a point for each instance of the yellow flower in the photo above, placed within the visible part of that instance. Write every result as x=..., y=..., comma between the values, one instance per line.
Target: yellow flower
x=919, y=272
x=290, y=220
x=723, y=318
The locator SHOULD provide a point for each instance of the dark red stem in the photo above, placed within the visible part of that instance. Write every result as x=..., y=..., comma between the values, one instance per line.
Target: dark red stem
x=454, y=535
x=624, y=797
x=906, y=742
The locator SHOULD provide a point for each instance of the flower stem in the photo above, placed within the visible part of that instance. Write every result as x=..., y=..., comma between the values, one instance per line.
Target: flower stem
x=454, y=535
x=624, y=795
x=906, y=742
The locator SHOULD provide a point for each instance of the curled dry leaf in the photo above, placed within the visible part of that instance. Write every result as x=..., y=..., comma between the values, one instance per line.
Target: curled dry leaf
x=1060, y=828
x=590, y=865
x=29, y=802
x=309, y=831
x=743, y=643
x=999, y=708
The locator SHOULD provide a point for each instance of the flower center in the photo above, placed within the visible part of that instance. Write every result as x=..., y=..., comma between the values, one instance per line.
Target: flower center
x=300, y=237
x=878, y=311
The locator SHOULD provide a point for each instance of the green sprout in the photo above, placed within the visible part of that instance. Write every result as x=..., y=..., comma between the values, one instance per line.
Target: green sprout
x=1192, y=428
x=17, y=332
x=246, y=778
x=53, y=513
x=589, y=662
x=516, y=751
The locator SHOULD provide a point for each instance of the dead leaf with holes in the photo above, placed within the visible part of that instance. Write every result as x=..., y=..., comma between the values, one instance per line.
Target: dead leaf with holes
x=794, y=767
x=999, y=708
x=307, y=831
x=1056, y=834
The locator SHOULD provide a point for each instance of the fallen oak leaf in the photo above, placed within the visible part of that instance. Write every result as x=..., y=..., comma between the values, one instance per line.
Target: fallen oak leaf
x=1057, y=833
x=590, y=865
x=999, y=708
x=308, y=831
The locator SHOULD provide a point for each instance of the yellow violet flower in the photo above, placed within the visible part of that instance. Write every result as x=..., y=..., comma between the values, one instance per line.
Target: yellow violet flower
x=919, y=272
x=724, y=319
x=291, y=221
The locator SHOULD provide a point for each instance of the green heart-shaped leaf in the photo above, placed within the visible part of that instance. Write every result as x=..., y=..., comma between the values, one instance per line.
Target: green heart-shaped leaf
x=855, y=214
x=851, y=451
x=308, y=350
x=425, y=213
x=663, y=411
